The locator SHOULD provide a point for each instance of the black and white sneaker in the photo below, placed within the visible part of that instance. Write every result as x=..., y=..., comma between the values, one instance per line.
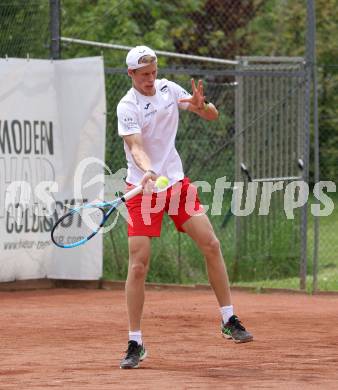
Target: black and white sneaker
x=135, y=354
x=234, y=330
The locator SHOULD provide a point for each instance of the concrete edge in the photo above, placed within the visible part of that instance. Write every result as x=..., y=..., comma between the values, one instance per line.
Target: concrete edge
x=31, y=284
x=86, y=284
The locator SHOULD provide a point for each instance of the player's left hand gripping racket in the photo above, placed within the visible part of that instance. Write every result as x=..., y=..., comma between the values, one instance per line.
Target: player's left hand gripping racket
x=82, y=223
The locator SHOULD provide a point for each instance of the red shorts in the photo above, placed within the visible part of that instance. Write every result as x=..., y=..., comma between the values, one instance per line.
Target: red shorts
x=146, y=211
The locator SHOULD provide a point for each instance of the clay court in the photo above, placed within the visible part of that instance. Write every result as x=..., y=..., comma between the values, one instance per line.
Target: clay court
x=74, y=339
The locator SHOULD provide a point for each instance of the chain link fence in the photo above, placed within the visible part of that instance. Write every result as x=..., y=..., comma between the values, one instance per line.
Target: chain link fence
x=270, y=152
x=24, y=29
x=212, y=28
x=328, y=163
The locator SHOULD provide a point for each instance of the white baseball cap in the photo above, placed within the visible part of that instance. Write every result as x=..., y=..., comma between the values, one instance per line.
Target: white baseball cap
x=135, y=56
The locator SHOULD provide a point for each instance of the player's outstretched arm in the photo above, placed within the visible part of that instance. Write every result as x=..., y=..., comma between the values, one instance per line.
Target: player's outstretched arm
x=197, y=103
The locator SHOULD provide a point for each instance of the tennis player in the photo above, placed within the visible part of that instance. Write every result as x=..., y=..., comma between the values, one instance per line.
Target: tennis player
x=148, y=117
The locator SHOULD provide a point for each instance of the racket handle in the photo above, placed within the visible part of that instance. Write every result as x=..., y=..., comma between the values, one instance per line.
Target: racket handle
x=130, y=194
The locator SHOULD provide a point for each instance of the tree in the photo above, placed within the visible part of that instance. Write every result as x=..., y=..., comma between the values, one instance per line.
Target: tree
x=214, y=28
x=217, y=29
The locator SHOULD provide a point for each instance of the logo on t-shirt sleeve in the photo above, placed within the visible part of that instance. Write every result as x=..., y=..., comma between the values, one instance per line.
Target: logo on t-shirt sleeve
x=130, y=123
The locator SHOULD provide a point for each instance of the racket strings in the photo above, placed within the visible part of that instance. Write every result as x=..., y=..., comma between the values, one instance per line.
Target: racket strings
x=78, y=226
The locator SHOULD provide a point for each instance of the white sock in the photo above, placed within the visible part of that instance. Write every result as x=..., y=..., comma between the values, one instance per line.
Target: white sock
x=226, y=312
x=136, y=335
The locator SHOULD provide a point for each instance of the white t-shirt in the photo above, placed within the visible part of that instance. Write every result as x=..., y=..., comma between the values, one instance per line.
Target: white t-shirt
x=156, y=119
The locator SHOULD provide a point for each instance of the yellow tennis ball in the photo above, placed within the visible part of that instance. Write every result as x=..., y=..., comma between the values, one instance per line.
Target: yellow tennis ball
x=162, y=182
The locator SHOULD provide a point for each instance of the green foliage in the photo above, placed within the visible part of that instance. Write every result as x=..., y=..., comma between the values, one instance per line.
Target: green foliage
x=127, y=23
x=278, y=29
x=24, y=29
x=203, y=27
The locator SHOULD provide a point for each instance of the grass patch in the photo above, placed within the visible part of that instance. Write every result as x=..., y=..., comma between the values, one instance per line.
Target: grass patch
x=327, y=281
x=328, y=236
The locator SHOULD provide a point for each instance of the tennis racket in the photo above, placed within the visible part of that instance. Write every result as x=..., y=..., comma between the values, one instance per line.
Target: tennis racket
x=81, y=224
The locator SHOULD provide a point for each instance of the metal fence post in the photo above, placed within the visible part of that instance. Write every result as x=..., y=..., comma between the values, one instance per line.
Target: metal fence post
x=311, y=59
x=304, y=216
x=55, y=28
x=238, y=158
